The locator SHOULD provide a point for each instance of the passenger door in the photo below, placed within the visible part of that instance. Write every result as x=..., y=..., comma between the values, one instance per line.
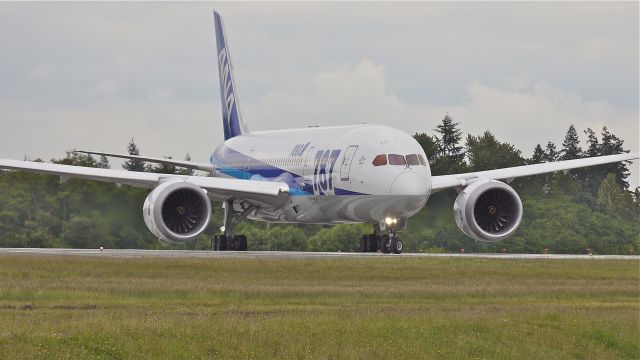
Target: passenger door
x=345, y=168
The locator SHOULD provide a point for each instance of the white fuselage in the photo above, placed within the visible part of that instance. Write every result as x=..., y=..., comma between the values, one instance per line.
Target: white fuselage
x=331, y=173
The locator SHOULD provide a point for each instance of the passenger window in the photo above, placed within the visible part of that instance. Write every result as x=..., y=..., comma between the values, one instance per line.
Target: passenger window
x=380, y=160
x=395, y=159
x=423, y=162
x=412, y=160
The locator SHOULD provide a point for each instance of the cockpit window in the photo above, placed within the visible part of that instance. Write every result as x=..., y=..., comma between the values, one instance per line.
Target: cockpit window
x=380, y=160
x=395, y=159
x=423, y=162
x=412, y=160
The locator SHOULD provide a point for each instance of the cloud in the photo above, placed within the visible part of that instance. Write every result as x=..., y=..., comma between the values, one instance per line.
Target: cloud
x=41, y=72
x=160, y=128
x=104, y=88
x=516, y=111
x=522, y=70
x=160, y=93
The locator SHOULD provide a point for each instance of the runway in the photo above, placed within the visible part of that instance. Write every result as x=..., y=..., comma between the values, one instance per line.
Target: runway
x=134, y=253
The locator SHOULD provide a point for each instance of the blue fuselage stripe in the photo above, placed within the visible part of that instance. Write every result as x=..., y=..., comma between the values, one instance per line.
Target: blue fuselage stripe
x=240, y=166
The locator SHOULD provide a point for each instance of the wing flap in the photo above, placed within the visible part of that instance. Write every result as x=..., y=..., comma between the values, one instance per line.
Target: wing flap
x=449, y=181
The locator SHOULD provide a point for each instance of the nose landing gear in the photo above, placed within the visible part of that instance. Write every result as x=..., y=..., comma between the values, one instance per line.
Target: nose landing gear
x=381, y=242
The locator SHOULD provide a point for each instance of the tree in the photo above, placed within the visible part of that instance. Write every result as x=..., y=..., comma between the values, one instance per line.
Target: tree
x=538, y=183
x=429, y=145
x=133, y=164
x=612, y=198
x=593, y=146
x=538, y=156
x=77, y=159
x=162, y=168
x=103, y=163
x=184, y=171
x=612, y=145
x=571, y=145
x=486, y=153
x=450, y=157
x=591, y=177
x=551, y=153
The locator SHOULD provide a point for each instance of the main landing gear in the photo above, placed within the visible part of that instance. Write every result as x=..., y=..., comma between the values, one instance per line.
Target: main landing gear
x=381, y=242
x=228, y=241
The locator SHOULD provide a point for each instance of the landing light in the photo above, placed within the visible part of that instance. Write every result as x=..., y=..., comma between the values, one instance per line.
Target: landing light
x=390, y=221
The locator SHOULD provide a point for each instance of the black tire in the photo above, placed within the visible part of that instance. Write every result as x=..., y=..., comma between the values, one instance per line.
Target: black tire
x=364, y=243
x=385, y=246
x=241, y=243
x=223, y=243
x=373, y=243
x=397, y=245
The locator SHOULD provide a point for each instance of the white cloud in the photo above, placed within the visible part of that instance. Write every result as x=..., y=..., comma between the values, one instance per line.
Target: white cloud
x=41, y=72
x=104, y=88
x=522, y=70
x=516, y=112
x=159, y=128
x=161, y=93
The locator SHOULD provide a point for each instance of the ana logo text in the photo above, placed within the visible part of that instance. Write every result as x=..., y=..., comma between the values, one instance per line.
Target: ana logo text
x=299, y=149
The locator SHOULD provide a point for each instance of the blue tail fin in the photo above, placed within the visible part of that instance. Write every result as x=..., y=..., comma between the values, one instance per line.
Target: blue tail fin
x=232, y=121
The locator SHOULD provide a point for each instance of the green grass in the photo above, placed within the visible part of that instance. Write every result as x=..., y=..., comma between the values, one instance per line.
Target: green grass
x=384, y=307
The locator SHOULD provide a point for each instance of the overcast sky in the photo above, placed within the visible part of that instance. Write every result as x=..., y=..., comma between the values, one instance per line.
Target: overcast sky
x=93, y=75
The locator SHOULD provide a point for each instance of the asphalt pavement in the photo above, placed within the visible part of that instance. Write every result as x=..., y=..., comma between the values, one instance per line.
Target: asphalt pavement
x=134, y=253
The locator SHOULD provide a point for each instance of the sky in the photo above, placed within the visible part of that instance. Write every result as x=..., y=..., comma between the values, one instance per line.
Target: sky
x=93, y=75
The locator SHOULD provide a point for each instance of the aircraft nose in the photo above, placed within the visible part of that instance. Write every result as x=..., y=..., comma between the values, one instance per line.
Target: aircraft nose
x=409, y=183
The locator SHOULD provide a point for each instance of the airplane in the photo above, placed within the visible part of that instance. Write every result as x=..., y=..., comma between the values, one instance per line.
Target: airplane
x=365, y=173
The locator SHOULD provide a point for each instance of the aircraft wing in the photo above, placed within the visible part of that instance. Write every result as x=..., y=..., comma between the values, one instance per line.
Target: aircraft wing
x=180, y=163
x=449, y=181
x=265, y=193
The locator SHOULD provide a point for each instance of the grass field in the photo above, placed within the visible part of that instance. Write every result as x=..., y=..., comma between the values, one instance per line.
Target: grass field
x=388, y=307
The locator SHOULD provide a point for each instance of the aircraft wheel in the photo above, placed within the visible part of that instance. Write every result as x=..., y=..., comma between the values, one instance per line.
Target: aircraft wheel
x=220, y=243
x=241, y=243
x=373, y=243
x=397, y=245
x=364, y=243
x=385, y=244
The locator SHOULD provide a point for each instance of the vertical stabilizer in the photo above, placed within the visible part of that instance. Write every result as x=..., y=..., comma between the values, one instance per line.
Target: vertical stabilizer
x=232, y=120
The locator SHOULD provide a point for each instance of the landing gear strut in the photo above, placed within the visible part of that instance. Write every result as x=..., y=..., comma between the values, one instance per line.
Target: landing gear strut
x=381, y=242
x=228, y=240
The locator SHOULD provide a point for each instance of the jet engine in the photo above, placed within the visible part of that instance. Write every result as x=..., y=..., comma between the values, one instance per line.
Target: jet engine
x=488, y=210
x=177, y=211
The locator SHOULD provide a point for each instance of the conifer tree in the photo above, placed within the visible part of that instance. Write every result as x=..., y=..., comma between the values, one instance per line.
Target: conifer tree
x=571, y=145
x=450, y=152
x=551, y=153
x=538, y=156
x=593, y=146
x=103, y=163
x=428, y=144
x=612, y=145
x=133, y=164
x=162, y=168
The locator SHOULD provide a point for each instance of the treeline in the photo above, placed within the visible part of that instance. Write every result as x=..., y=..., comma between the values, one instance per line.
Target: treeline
x=588, y=209
x=571, y=212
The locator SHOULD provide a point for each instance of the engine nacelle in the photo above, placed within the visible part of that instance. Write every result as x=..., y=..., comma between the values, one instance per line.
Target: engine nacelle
x=488, y=210
x=177, y=211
